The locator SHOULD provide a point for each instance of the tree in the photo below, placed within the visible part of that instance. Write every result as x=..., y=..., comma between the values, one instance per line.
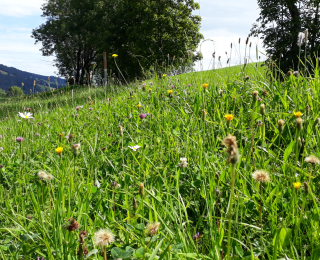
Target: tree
x=279, y=25
x=146, y=35
x=14, y=91
x=2, y=93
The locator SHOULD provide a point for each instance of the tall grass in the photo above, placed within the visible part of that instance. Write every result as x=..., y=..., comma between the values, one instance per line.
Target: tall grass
x=101, y=186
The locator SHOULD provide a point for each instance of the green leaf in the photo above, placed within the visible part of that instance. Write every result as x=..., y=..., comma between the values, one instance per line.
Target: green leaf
x=93, y=251
x=139, y=252
x=155, y=251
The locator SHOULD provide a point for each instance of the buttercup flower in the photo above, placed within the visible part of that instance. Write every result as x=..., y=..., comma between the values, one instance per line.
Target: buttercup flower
x=297, y=114
x=138, y=106
x=164, y=75
x=134, y=148
x=59, y=150
x=229, y=117
x=297, y=185
x=114, y=55
x=25, y=115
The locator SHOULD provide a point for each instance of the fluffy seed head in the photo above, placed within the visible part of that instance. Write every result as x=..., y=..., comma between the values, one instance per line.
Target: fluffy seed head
x=261, y=175
x=42, y=174
x=280, y=125
x=312, y=159
x=103, y=237
x=152, y=228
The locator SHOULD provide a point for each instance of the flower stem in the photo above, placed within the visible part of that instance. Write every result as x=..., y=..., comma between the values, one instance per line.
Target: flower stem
x=230, y=210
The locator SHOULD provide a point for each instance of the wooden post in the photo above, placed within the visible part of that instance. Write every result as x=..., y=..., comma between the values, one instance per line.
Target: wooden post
x=105, y=69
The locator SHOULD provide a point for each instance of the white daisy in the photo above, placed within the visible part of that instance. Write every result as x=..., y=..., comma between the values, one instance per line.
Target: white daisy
x=135, y=148
x=25, y=115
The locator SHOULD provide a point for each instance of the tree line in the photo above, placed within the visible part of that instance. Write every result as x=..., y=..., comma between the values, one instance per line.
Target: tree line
x=147, y=35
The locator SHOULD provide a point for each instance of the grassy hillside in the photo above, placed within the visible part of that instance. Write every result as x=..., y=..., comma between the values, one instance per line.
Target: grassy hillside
x=10, y=76
x=176, y=196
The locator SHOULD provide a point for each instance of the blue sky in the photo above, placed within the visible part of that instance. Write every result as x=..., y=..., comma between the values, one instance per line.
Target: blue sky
x=222, y=21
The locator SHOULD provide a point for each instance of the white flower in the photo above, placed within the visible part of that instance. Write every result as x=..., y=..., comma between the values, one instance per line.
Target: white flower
x=183, y=162
x=25, y=115
x=97, y=184
x=301, y=38
x=135, y=148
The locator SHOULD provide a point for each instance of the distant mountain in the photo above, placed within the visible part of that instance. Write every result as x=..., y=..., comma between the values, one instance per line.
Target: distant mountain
x=10, y=76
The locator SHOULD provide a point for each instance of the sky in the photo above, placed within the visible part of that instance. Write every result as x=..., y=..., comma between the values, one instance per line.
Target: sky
x=223, y=23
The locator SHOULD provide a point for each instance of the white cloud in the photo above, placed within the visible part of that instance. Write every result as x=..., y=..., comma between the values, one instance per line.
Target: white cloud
x=20, y=8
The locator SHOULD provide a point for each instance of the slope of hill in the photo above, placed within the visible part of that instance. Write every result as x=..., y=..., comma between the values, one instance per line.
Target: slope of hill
x=10, y=76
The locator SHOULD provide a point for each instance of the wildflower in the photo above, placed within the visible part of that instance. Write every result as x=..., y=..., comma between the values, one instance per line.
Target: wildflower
x=261, y=175
x=134, y=148
x=259, y=123
x=114, y=55
x=78, y=107
x=299, y=123
x=230, y=142
x=138, y=105
x=76, y=115
x=196, y=236
x=280, y=125
x=289, y=73
x=152, y=228
x=76, y=148
x=142, y=116
x=37, y=134
x=73, y=225
x=247, y=78
x=59, y=150
x=0, y=136
x=164, y=75
x=115, y=184
x=103, y=237
x=97, y=184
x=296, y=73
x=150, y=89
x=297, y=114
x=150, y=83
x=25, y=115
x=170, y=91
x=183, y=162
x=301, y=38
x=1, y=148
x=19, y=139
x=90, y=108
x=205, y=85
x=204, y=112
x=297, y=185
x=42, y=174
x=312, y=159
x=48, y=177
x=229, y=117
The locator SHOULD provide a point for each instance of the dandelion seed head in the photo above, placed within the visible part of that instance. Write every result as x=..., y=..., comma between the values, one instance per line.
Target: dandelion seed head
x=312, y=159
x=261, y=175
x=103, y=237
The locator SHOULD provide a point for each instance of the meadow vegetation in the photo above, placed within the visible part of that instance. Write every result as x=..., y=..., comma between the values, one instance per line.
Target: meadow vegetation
x=219, y=164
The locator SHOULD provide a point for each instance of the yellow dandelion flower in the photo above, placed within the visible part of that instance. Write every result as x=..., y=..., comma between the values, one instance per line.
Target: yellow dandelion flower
x=164, y=75
x=297, y=114
x=114, y=55
x=150, y=89
x=59, y=150
x=170, y=91
x=205, y=85
x=138, y=105
x=229, y=117
x=297, y=185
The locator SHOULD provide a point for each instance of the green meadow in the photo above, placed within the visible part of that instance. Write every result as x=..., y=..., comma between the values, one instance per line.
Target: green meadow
x=148, y=165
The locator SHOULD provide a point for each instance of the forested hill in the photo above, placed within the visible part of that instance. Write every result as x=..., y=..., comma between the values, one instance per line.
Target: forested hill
x=10, y=76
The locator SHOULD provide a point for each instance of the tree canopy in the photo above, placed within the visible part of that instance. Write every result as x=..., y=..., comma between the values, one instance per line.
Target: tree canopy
x=146, y=34
x=279, y=25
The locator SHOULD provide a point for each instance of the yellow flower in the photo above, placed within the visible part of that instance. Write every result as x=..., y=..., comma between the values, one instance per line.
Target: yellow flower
x=229, y=117
x=59, y=150
x=170, y=91
x=205, y=85
x=297, y=114
x=297, y=185
x=114, y=55
x=150, y=89
x=138, y=105
x=164, y=75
